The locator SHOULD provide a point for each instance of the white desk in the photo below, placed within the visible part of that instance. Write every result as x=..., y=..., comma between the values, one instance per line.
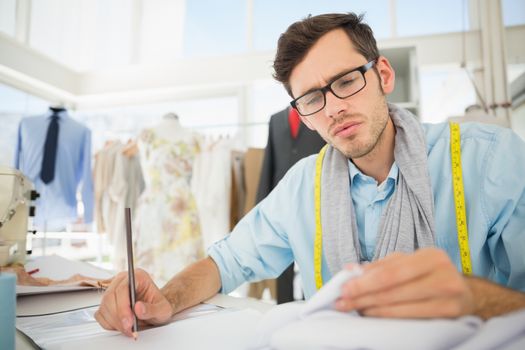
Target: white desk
x=45, y=303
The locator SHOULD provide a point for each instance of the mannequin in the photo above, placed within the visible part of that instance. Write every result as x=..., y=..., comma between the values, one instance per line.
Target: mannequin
x=168, y=235
x=170, y=128
x=70, y=164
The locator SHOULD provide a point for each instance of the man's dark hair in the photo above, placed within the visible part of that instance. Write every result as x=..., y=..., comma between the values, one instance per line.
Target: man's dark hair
x=295, y=43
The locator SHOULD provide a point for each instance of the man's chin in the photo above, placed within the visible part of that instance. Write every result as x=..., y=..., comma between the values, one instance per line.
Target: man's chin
x=354, y=152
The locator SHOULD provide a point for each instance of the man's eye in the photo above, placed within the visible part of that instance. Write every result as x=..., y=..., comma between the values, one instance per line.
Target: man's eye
x=345, y=82
x=310, y=100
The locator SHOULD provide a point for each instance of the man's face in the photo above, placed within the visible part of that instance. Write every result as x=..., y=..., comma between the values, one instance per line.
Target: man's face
x=353, y=125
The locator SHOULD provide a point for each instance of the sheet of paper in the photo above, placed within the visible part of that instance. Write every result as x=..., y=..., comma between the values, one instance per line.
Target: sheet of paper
x=52, y=330
x=229, y=302
x=230, y=330
x=201, y=327
x=58, y=268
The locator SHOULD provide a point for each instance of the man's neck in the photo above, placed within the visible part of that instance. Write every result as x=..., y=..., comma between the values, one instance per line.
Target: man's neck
x=378, y=162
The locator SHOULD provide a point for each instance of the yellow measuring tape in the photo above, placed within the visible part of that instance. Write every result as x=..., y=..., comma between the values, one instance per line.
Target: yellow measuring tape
x=318, y=241
x=459, y=202
x=459, y=198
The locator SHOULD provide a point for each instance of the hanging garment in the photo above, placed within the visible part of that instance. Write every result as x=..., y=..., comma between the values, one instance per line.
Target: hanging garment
x=57, y=205
x=253, y=159
x=283, y=151
x=168, y=235
x=107, y=168
x=237, y=193
x=102, y=174
x=211, y=185
x=118, y=183
x=124, y=189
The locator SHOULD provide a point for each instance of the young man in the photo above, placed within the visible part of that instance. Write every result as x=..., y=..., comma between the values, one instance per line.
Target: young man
x=386, y=198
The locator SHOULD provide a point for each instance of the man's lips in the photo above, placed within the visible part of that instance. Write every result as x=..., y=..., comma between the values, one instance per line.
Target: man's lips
x=346, y=129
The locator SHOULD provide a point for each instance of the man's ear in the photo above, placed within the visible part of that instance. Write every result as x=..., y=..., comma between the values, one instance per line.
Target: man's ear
x=387, y=75
x=307, y=122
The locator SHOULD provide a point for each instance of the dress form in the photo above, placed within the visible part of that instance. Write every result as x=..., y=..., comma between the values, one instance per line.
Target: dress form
x=168, y=235
x=170, y=129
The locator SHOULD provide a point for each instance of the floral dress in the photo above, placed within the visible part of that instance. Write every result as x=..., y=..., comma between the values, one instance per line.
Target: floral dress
x=167, y=232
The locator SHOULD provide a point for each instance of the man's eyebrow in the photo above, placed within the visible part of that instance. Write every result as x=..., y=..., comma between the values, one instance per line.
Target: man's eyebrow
x=330, y=81
x=318, y=88
x=309, y=90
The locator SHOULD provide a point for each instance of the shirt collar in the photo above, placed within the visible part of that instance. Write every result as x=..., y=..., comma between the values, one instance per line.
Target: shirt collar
x=60, y=114
x=354, y=171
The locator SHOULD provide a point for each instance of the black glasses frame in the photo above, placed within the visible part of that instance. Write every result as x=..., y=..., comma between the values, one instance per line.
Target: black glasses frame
x=328, y=87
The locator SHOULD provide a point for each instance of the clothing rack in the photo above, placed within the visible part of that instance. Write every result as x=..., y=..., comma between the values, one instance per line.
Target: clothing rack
x=242, y=125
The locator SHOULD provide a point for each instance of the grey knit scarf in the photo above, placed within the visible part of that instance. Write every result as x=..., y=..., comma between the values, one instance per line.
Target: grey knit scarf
x=406, y=224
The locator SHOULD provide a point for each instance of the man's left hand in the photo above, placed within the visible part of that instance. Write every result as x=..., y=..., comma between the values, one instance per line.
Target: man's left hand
x=424, y=284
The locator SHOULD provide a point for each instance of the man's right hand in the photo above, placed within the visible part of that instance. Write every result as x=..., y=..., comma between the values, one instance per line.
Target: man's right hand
x=151, y=307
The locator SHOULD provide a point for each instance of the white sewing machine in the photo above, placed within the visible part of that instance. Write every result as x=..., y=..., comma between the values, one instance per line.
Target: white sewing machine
x=16, y=194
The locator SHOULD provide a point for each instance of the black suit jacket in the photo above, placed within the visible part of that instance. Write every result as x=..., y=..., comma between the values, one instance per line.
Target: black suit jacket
x=283, y=151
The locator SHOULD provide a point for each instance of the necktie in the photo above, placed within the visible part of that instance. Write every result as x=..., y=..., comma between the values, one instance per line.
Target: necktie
x=294, y=121
x=47, y=173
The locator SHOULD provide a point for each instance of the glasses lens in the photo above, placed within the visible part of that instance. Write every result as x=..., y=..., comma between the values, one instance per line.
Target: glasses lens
x=348, y=84
x=310, y=103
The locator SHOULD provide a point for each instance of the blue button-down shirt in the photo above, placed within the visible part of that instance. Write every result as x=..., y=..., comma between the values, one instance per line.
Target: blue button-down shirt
x=57, y=205
x=370, y=199
x=281, y=228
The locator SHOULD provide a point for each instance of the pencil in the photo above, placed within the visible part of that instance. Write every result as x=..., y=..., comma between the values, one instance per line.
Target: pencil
x=33, y=271
x=131, y=272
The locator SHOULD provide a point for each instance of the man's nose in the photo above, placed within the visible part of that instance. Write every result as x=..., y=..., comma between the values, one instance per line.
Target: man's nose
x=335, y=106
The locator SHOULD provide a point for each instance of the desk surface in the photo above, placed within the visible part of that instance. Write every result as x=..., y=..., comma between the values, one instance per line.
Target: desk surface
x=56, y=302
x=52, y=266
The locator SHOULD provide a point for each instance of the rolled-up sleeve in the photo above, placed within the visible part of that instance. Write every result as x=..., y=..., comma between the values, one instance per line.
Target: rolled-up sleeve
x=504, y=194
x=259, y=247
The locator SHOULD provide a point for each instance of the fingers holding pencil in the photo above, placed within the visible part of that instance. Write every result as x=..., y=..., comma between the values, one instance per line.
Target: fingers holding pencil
x=151, y=308
x=132, y=295
x=131, y=274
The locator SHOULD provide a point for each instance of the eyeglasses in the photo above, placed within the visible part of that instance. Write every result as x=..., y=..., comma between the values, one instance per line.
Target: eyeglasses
x=342, y=86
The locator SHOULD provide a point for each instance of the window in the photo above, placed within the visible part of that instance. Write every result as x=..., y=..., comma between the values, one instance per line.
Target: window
x=209, y=116
x=162, y=24
x=445, y=92
x=8, y=17
x=272, y=17
x=215, y=27
x=513, y=12
x=267, y=97
x=416, y=18
x=83, y=35
x=15, y=104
